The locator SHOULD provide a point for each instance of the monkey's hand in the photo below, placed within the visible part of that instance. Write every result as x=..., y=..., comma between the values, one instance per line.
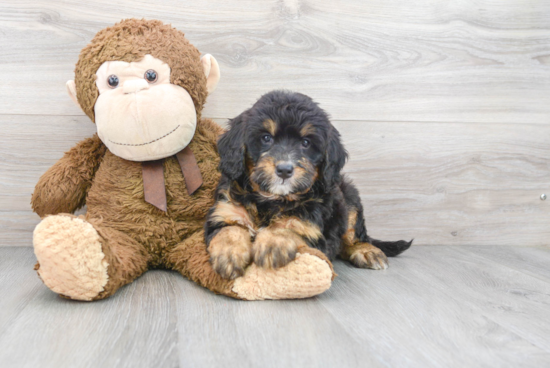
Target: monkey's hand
x=64, y=186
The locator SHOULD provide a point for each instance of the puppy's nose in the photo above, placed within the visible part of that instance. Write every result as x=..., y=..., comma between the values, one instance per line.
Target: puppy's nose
x=134, y=85
x=284, y=170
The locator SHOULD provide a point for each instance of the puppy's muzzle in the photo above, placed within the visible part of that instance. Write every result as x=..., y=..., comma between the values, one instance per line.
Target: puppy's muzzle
x=284, y=170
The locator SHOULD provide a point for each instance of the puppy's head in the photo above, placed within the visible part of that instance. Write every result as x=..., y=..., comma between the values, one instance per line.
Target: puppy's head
x=284, y=144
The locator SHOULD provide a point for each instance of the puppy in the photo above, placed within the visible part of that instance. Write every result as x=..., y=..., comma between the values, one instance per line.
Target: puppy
x=281, y=188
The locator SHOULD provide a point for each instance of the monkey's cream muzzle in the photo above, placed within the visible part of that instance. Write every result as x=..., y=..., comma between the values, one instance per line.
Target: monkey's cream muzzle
x=135, y=85
x=141, y=120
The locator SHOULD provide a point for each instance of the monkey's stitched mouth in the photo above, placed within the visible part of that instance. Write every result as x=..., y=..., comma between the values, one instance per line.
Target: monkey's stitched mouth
x=143, y=144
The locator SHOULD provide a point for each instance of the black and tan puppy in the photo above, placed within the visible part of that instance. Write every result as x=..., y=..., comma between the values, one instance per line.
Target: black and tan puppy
x=281, y=188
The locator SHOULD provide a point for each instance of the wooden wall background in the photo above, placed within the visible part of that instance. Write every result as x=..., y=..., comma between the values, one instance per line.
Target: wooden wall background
x=443, y=105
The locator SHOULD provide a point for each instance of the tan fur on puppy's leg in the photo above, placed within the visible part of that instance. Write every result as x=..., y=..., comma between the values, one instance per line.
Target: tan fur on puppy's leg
x=230, y=251
x=70, y=255
x=309, y=275
x=192, y=260
x=275, y=248
x=365, y=255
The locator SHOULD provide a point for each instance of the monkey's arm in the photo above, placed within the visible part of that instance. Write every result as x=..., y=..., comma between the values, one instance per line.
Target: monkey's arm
x=64, y=186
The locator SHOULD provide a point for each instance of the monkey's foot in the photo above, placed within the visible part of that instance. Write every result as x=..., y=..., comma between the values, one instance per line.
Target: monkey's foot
x=70, y=257
x=306, y=276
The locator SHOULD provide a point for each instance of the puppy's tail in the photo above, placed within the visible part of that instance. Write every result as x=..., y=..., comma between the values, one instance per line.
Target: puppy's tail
x=391, y=249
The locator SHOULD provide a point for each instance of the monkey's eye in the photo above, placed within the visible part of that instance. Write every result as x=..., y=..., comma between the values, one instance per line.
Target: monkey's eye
x=306, y=142
x=151, y=76
x=112, y=81
x=266, y=138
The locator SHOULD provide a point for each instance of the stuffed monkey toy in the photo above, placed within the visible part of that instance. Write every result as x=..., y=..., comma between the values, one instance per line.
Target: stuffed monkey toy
x=147, y=177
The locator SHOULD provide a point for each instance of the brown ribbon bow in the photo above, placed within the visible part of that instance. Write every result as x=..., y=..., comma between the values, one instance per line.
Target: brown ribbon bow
x=153, y=178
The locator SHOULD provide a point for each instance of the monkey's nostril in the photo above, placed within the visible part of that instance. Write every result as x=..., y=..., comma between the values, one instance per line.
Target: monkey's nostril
x=134, y=85
x=284, y=170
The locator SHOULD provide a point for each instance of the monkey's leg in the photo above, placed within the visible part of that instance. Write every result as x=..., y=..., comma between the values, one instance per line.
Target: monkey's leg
x=308, y=275
x=85, y=262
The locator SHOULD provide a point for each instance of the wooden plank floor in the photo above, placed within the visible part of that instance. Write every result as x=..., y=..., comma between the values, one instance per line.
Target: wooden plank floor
x=445, y=306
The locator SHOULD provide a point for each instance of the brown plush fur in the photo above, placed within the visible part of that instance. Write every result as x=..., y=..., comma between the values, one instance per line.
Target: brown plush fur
x=64, y=186
x=135, y=235
x=130, y=40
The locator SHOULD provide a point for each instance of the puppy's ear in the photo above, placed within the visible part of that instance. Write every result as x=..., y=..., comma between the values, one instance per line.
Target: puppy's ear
x=231, y=147
x=335, y=159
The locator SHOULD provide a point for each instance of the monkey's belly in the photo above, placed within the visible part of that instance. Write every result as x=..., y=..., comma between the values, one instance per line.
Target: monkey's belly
x=116, y=197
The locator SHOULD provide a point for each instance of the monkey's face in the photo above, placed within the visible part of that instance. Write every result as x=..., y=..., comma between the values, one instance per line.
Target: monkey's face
x=140, y=115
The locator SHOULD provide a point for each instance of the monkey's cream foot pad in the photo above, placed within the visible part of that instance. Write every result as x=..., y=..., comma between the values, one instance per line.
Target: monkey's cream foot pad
x=70, y=255
x=304, y=277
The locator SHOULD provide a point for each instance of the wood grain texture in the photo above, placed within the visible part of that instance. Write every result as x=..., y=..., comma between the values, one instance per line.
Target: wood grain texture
x=516, y=259
x=295, y=333
x=462, y=184
x=441, y=306
x=451, y=183
x=478, y=61
x=135, y=328
x=443, y=106
x=428, y=299
x=503, y=295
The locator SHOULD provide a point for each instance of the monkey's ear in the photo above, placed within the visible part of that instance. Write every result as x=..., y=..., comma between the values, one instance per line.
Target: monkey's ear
x=231, y=147
x=71, y=89
x=335, y=159
x=212, y=72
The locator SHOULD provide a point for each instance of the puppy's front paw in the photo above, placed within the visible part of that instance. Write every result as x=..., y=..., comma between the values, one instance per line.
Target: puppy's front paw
x=275, y=248
x=369, y=257
x=230, y=252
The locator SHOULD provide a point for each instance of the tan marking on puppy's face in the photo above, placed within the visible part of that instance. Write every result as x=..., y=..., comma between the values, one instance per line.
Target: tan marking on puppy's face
x=230, y=252
x=267, y=165
x=307, y=129
x=262, y=175
x=305, y=175
x=270, y=126
x=233, y=214
x=303, y=228
x=265, y=181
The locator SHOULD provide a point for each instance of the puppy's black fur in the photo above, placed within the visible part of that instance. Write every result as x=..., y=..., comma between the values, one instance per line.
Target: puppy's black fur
x=282, y=158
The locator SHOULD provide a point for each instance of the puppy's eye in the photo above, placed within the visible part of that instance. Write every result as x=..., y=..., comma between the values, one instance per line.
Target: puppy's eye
x=306, y=142
x=112, y=81
x=266, y=138
x=151, y=76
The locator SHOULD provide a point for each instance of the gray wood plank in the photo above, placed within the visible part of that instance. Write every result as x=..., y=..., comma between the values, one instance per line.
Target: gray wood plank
x=534, y=261
x=18, y=282
x=375, y=60
x=452, y=183
x=511, y=298
x=297, y=333
x=460, y=184
x=435, y=306
x=424, y=311
x=134, y=328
